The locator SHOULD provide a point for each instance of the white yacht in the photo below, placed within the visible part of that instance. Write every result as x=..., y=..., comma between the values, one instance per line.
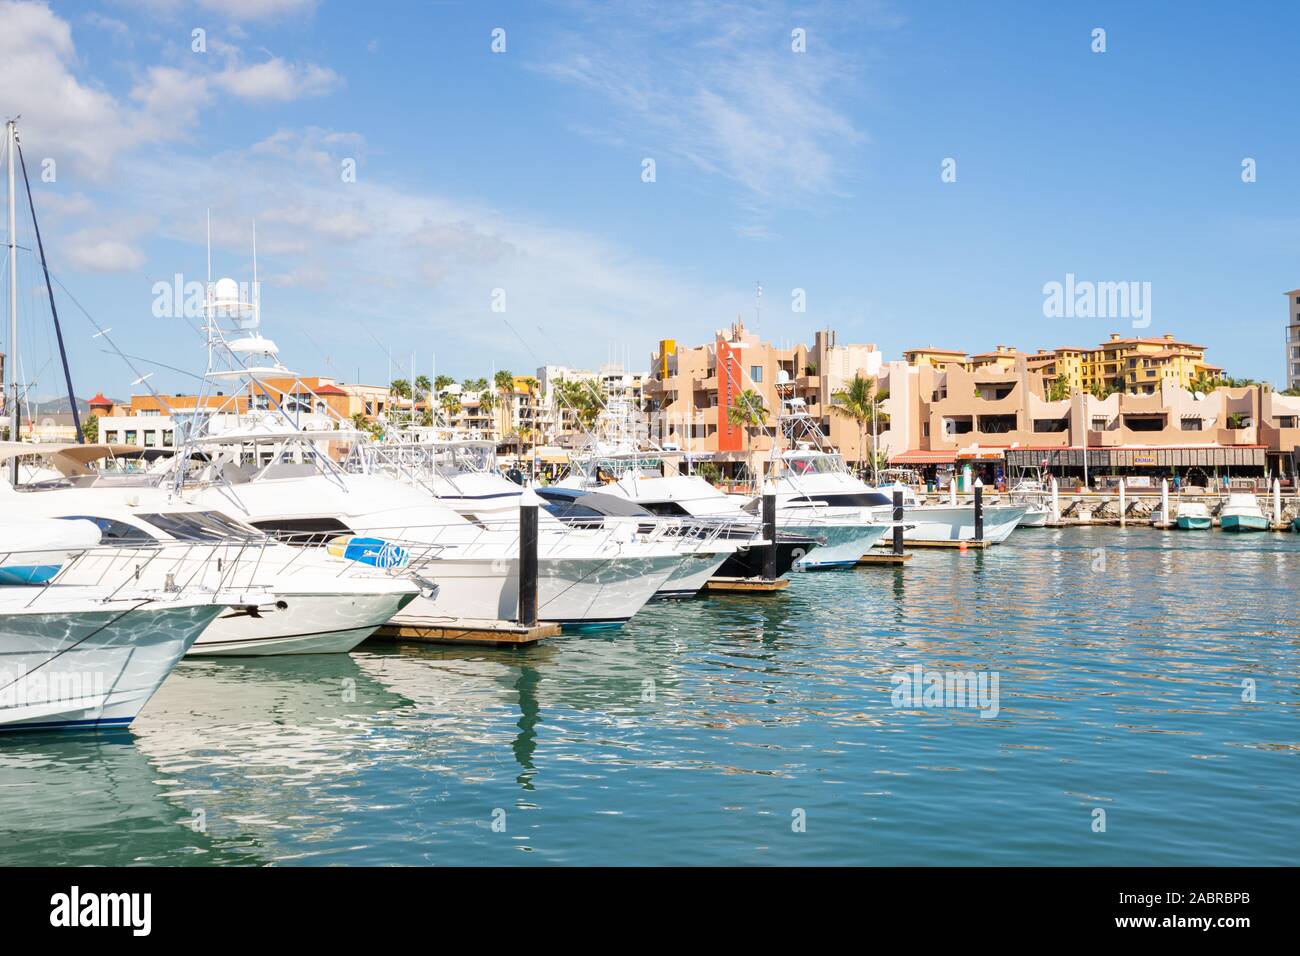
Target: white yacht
x=942, y=522
x=86, y=656
x=464, y=476
x=282, y=600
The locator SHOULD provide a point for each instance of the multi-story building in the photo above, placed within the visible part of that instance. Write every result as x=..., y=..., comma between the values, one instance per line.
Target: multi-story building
x=997, y=416
x=1293, y=339
x=691, y=390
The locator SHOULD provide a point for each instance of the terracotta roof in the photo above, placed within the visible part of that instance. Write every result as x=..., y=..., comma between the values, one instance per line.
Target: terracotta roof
x=924, y=456
x=329, y=390
x=99, y=399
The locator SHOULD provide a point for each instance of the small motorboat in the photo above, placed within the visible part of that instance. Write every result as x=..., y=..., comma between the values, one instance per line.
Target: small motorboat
x=1193, y=516
x=1241, y=512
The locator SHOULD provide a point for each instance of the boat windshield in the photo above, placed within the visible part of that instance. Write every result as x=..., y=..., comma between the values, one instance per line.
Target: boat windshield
x=199, y=526
x=819, y=464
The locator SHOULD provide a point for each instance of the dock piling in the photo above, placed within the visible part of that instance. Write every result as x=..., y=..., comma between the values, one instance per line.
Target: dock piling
x=769, y=532
x=979, y=513
x=528, y=565
x=898, y=521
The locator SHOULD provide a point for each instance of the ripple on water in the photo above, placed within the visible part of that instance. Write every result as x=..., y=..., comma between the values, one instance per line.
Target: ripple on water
x=705, y=729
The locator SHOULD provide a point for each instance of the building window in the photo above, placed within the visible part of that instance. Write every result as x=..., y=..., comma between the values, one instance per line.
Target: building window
x=1192, y=424
x=110, y=437
x=130, y=438
x=756, y=373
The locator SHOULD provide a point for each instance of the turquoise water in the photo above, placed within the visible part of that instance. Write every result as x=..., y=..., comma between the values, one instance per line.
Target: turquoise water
x=1120, y=685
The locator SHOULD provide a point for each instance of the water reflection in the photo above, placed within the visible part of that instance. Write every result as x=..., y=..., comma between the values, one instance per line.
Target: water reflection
x=691, y=734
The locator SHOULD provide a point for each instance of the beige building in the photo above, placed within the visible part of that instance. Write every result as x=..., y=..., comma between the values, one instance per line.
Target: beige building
x=690, y=389
x=1293, y=339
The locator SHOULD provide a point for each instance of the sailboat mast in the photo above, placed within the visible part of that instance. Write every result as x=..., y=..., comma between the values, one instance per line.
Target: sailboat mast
x=11, y=137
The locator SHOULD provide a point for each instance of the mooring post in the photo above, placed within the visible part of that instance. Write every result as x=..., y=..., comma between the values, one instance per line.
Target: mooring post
x=769, y=532
x=979, y=512
x=898, y=521
x=528, y=565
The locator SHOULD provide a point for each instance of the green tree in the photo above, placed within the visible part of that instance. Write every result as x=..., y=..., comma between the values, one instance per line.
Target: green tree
x=1057, y=389
x=861, y=401
x=581, y=399
x=442, y=381
x=363, y=424
x=747, y=411
x=422, y=386
x=450, y=404
x=90, y=429
x=504, y=381
x=400, y=387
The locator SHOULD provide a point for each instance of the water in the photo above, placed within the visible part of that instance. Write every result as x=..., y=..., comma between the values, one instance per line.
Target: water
x=1120, y=678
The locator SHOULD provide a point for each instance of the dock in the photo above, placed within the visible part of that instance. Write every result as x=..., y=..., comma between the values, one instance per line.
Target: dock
x=482, y=633
x=888, y=559
x=955, y=545
x=745, y=585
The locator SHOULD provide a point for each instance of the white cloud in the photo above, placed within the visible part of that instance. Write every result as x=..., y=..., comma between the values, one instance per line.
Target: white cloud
x=99, y=251
x=276, y=80
x=415, y=267
x=79, y=123
x=234, y=11
x=718, y=87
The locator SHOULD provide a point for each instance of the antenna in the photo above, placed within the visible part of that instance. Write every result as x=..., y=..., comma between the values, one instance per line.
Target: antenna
x=209, y=246
x=257, y=289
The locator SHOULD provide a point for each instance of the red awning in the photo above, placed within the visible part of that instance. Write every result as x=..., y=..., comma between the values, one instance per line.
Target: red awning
x=922, y=456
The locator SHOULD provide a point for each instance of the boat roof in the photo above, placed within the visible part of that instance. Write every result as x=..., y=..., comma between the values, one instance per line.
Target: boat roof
x=67, y=458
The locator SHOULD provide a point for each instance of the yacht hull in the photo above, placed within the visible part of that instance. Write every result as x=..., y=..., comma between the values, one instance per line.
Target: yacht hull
x=307, y=624
x=1240, y=523
x=692, y=574
x=570, y=591
x=946, y=523
x=843, y=547
x=1193, y=523
x=90, y=669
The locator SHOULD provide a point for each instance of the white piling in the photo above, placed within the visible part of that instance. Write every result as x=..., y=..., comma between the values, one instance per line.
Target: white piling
x=1122, y=509
x=1164, y=502
x=1277, y=501
x=952, y=492
x=1056, y=501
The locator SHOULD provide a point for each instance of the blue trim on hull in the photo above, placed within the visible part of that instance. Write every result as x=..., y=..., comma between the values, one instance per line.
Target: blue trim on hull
x=108, y=723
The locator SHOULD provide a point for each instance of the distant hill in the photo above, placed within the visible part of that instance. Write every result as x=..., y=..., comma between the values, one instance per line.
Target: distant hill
x=59, y=403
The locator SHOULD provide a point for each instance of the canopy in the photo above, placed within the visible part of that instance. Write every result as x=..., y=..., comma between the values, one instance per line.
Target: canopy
x=67, y=458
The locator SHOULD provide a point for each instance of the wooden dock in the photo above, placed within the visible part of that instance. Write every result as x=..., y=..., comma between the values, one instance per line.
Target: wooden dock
x=745, y=585
x=485, y=633
x=954, y=545
x=889, y=558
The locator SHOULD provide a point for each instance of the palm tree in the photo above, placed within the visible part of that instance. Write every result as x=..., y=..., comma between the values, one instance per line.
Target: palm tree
x=862, y=402
x=746, y=411
x=503, y=380
x=450, y=404
x=1058, y=389
x=422, y=386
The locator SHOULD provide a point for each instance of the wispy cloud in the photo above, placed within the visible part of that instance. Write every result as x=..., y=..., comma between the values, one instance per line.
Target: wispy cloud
x=718, y=86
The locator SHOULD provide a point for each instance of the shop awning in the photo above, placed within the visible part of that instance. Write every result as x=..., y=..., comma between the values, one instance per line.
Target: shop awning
x=924, y=456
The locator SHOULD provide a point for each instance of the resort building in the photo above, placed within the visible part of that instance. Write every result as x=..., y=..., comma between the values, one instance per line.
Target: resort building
x=691, y=389
x=998, y=417
x=1293, y=339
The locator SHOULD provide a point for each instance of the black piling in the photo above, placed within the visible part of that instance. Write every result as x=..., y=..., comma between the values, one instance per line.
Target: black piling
x=979, y=512
x=898, y=521
x=769, y=532
x=528, y=565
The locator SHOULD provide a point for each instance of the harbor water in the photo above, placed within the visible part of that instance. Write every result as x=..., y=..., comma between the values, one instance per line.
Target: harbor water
x=1138, y=706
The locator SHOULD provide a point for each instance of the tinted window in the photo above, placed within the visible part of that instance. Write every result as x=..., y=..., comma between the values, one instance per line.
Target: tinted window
x=117, y=532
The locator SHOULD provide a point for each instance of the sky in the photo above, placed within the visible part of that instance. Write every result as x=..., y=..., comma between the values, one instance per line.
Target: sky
x=564, y=182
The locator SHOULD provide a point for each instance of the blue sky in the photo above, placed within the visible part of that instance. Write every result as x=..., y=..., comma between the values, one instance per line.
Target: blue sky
x=522, y=171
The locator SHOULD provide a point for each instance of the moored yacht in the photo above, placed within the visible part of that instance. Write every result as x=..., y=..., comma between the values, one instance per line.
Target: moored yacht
x=87, y=656
x=282, y=600
x=1241, y=512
